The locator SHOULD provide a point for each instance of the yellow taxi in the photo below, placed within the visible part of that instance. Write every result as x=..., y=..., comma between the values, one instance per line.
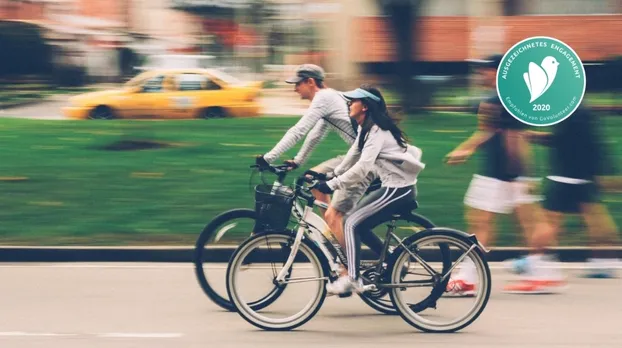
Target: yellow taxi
x=177, y=93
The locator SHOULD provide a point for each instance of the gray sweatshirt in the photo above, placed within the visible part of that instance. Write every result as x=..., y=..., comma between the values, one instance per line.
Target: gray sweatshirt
x=395, y=165
x=327, y=104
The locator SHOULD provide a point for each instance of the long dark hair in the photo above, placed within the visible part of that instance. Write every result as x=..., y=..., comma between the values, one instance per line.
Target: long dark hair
x=378, y=114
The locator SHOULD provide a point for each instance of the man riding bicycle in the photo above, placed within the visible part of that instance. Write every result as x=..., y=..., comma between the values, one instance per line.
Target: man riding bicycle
x=328, y=111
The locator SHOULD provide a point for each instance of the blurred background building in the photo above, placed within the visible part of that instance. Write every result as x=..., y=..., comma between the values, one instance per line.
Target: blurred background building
x=350, y=38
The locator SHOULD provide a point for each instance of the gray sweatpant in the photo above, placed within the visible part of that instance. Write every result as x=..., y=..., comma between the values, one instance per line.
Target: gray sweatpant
x=373, y=209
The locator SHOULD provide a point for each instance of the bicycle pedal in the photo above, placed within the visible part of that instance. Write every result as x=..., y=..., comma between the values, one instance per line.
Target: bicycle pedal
x=369, y=263
x=344, y=295
x=370, y=287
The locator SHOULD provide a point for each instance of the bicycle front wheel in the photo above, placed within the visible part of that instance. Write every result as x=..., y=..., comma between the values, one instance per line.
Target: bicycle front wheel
x=228, y=228
x=253, y=271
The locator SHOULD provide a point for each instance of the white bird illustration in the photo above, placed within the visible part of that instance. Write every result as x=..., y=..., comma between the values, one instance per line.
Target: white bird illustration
x=539, y=79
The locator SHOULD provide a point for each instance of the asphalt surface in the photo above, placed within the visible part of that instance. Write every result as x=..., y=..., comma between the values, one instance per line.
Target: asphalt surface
x=50, y=109
x=161, y=305
x=46, y=110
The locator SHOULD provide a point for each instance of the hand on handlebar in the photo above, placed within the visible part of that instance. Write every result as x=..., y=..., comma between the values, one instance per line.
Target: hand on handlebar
x=323, y=187
x=320, y=176
x=261, y=162
x=291, y=165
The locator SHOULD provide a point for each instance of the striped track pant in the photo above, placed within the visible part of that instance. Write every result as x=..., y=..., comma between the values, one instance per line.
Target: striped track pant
x=374, y=208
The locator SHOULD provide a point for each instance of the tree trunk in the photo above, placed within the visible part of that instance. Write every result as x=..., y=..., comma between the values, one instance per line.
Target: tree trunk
x=403, y=18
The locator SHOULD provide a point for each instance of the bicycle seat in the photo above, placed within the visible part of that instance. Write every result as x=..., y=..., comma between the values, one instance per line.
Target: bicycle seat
x=375, y=185
x=407, y=208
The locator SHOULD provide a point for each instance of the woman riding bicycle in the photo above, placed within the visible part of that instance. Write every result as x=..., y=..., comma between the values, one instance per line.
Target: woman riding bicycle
x=380, y=146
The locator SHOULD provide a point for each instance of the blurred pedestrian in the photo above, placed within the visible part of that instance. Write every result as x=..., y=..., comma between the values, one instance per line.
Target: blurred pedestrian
x=579, y=171
x=501, y=185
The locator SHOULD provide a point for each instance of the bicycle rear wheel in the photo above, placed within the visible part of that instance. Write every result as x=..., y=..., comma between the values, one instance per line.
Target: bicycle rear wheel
x=423, y=249
x=380, y=299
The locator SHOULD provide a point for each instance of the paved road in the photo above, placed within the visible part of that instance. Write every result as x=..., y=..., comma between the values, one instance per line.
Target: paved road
x=47, y=110
x=161, y=305
x=274, y=106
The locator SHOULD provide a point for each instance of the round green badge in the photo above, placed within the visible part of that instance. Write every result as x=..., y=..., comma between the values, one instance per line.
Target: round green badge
x=541, y=81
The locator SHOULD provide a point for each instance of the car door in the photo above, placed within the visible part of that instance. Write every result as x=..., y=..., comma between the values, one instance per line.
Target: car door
x=194, y=93
x=151, y=101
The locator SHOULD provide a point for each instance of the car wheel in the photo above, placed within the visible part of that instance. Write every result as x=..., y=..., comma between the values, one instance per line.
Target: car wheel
x=213, y=113
x=101, y=113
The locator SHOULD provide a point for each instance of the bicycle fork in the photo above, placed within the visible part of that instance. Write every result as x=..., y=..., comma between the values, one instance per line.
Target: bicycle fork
x=292, y=255
x=294, y=250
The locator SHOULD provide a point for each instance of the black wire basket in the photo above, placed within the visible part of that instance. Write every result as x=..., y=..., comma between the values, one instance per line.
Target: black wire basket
x=273, y=207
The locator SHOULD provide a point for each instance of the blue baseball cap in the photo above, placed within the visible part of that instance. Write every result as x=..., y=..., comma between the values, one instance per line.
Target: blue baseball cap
x=360, y=93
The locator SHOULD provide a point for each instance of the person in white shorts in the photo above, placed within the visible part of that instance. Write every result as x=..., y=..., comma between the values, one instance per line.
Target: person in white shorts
x=500, y=187
x=580, y=170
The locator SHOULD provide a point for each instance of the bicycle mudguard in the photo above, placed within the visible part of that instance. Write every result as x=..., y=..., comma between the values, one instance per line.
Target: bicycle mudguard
x=470, y=237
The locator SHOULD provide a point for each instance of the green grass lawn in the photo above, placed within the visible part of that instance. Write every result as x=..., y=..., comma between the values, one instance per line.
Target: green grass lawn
x=59, y=187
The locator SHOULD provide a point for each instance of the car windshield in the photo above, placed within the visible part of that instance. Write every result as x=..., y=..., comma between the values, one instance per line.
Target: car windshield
x=223, y=76
x=136, y=80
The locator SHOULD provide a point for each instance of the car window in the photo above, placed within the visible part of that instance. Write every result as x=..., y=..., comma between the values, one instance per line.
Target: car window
x=223, y=76
x=136, y=81
x=154, y=84
x=194, y=82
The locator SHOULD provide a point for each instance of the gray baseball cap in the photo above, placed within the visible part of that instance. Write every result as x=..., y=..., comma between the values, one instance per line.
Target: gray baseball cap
x=306, y=71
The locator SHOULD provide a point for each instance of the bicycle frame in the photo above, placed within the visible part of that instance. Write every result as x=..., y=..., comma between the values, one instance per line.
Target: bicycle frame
x=313, y=225
x=311, y=222
x=315, y=222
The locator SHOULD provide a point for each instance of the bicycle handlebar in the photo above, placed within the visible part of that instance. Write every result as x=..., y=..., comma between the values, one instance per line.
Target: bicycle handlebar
x=309, y=177
x=280, y=171
x=305, y=177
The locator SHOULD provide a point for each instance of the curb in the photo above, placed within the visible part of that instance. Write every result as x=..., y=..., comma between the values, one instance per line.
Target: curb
x=222, y=254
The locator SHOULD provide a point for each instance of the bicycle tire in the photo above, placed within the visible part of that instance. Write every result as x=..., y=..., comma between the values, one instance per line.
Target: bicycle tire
x=277, y=325
x=205, y=237
x=386, y=306
x=449, y=235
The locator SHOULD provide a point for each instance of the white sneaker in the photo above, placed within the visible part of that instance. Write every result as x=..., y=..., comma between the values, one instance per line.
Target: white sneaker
x=601, y=268
x=519, y=265
x=344, y=285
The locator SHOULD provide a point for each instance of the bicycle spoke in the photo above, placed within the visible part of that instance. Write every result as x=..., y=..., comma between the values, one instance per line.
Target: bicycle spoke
x=409, y=284
x=458, y=261
x=298, y=303
x=302, y=280
x=427, y=314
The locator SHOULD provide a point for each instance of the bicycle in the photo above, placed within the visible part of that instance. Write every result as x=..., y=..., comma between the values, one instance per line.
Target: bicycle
x=325, y=265
x=226, y=222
